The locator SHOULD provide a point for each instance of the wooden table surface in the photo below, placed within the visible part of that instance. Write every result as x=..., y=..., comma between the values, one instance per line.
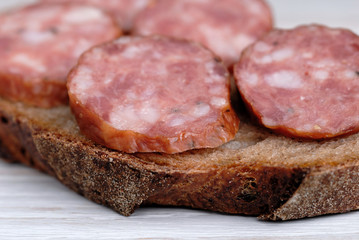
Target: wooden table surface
x=36, y=206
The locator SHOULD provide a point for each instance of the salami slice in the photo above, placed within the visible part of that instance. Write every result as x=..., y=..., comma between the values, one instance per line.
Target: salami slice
x=152, y=94
x=226, y=26
x=123, y=10
x=303, y=82
x=41, y=43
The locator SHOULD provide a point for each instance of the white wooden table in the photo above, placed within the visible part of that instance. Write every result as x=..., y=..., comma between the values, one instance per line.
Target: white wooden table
x=35, y=206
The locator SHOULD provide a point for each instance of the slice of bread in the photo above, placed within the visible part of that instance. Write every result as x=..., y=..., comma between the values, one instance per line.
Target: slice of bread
x=259, y=173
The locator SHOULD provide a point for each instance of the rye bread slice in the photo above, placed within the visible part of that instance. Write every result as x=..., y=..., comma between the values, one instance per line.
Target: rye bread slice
x=259, y=173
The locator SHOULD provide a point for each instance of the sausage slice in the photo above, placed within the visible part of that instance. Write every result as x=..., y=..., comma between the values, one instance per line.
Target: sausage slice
x=152, y=94
x=39, y=45
x=224, y=26
x=303, y=82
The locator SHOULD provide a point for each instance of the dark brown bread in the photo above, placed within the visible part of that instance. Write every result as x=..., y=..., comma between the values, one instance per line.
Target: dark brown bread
x=259, y=173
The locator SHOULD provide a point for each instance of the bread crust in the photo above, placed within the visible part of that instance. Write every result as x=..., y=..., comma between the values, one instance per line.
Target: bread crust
x=16, y=140
x=259, y=173
x=125, y=182
x=334, y=190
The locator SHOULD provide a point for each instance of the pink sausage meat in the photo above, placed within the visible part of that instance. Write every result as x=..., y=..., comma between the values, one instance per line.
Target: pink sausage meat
x=152, y=94
x=39, y=45
x=123, y=10
x=224, y=26
x=303, y=82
